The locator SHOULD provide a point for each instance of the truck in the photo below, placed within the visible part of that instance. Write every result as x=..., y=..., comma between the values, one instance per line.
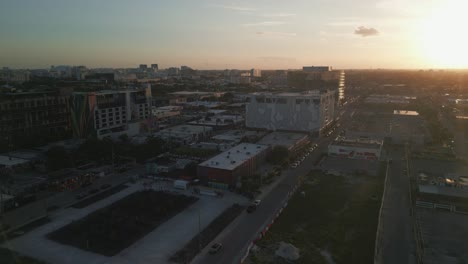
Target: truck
x=181, y=184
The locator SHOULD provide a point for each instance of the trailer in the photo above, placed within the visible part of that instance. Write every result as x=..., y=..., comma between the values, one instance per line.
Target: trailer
x=181, y=184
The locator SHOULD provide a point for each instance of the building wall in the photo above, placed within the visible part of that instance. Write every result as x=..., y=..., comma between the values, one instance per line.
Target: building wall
x=33, y=116
x=290, y=113
x=354, y=152
x=108, y=113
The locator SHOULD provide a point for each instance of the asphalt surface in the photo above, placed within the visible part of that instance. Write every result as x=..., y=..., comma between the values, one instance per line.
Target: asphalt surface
x=237, y=236
x=397, y=240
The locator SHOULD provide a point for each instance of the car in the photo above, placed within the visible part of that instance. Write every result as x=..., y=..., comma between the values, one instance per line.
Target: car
x=86, y=184
x=251, y=208
x=92, y=191
x=257, y=202
x=215, y=248
x=105, y=186
x=81, y=195
x=315, y=145
x=293, y=166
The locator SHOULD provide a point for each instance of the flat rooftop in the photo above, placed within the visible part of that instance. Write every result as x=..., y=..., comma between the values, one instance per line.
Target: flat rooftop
x=234, y=157
x=285, y=94
x=219, y=120
x=185, y=129
x=286, y=139
x=8, y=161
x=237, y=135
x=405, y=113
x=364, y=143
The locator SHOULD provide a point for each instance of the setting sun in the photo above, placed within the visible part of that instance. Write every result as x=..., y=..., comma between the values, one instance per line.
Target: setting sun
x=443, y=38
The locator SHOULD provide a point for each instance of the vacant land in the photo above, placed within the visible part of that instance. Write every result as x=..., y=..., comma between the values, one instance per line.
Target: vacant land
x=333, y=221
x=191, y=249
x=102, y=195
x=444, y=235
x=117, y=226
x=10, y=257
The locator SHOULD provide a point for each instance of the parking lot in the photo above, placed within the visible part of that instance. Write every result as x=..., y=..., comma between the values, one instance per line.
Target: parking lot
x=155, y=247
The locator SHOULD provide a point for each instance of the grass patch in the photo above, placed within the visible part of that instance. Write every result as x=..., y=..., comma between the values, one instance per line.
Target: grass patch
x=338, y=215
x=191, y=249
x=102, y=195
x=111, y=229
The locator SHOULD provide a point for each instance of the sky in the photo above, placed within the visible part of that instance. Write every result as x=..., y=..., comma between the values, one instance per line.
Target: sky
x=218, y=34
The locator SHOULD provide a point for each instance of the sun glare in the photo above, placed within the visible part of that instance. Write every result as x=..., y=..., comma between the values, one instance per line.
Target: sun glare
x=444, y=39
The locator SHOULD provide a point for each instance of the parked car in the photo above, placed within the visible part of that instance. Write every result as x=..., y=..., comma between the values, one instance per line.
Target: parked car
x=251, y=208
x=105, y=186
x=215, y=248
x=257, y=202
x=81, y=195
x=92, y=191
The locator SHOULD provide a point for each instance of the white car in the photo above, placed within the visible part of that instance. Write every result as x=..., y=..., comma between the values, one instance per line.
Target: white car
x=257, y=202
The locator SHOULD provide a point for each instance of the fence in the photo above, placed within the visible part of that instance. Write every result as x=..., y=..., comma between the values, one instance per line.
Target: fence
x=269, y=223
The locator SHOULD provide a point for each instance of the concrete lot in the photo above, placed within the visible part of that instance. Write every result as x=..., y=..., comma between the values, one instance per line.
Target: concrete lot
x=349, y=166
x=439, y=166
x=155, y=247
x=445, y=236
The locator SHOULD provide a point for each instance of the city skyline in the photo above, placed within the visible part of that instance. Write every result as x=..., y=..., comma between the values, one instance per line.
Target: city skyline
x=222, y=34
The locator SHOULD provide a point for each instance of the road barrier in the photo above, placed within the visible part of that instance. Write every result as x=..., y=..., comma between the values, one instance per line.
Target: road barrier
x=423, y=204
x=378, y=233
x=267, y=226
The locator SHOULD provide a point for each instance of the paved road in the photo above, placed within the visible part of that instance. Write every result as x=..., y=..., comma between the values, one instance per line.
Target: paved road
x=246, y=227
x=397, y=239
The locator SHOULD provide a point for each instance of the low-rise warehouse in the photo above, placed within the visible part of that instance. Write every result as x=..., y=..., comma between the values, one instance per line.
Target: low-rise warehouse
x=185, y=134
x=226, y=169
x=356, y=149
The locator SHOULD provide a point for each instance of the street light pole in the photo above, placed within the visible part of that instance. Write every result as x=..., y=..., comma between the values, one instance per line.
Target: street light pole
x=199, y=232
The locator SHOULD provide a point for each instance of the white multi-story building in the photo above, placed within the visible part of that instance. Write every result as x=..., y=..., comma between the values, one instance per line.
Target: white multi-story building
x=308, y=112
x=256, y=73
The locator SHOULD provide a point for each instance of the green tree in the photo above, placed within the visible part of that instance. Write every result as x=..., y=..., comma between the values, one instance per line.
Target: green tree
x=278, y=155
x=58, y=158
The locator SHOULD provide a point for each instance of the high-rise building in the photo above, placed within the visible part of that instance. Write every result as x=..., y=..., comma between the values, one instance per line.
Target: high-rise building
x=173, y=71
x=28, y=117
x=143, y=66
x=154, y=67
x=110, y=113
x=14, y=76
x=324, y=77
x=255, y=73
x=309, y=112
x=316, y=68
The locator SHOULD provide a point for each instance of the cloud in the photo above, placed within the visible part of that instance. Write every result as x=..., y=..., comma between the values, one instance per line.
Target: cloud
x=266, y=23
x=276, y=59
x=365, y=31
x=238, y=8
x=278, y=15
x=276, y=33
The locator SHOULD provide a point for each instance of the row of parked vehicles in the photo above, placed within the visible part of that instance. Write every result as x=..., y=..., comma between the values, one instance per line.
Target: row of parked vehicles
x=304, y=156
x=92, y=191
